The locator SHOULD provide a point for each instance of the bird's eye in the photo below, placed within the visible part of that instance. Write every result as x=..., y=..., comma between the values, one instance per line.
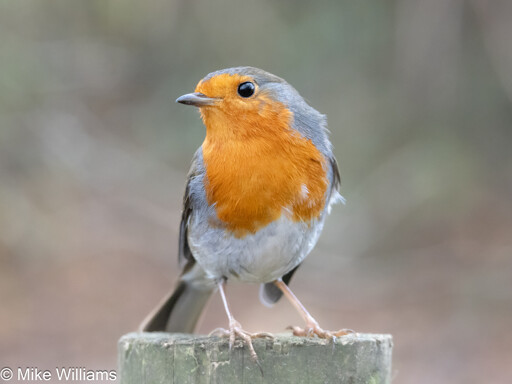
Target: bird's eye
x=246, y=89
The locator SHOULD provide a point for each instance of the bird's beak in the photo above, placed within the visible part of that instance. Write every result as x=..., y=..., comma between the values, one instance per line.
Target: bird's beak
x=196, y=99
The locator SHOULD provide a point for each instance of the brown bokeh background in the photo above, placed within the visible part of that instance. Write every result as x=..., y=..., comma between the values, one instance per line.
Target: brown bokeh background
x=94, y=154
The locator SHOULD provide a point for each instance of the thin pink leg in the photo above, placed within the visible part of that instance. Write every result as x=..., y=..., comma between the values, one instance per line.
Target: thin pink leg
x=312, y=327
x=235, y=329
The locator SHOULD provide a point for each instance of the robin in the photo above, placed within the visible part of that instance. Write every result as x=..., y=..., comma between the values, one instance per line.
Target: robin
x=257, y=195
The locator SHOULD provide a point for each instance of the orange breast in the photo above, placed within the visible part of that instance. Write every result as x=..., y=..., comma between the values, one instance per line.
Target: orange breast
x=258, y=168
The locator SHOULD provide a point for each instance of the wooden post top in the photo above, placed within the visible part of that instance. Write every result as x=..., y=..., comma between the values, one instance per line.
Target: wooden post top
x=183, y=358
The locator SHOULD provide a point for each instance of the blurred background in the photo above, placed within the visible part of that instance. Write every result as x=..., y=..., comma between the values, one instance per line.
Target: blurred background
x=94, y=154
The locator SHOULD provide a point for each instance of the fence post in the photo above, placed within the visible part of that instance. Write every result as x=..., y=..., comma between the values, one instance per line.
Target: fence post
x=182, y=358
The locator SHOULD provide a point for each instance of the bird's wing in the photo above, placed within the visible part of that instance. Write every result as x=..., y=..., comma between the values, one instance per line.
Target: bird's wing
x=179, y=311
x=185, y=258
x=335, y=182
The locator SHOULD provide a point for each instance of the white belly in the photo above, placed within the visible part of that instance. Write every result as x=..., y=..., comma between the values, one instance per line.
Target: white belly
x=258, y=258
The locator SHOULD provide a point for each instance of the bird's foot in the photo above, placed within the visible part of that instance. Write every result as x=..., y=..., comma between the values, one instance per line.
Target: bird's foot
x=312, y=328
x=235, y=329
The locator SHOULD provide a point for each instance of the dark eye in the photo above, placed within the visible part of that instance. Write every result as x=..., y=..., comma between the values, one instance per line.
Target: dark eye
x=246, y=89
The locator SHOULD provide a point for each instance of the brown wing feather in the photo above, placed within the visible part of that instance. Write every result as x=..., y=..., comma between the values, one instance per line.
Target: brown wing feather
x=184, y=253
x=335, y=174
x=185, y=258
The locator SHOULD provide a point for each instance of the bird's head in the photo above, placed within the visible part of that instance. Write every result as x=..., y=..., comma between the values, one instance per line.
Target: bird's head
x=248, y=102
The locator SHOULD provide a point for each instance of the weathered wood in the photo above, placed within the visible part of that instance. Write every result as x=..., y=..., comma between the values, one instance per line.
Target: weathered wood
x=181, y=359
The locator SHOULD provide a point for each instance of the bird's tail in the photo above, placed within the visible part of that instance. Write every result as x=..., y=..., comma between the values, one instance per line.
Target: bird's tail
x=179, y=311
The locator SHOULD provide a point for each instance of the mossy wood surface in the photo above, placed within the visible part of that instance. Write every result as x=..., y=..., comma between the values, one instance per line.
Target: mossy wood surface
x=181, y=359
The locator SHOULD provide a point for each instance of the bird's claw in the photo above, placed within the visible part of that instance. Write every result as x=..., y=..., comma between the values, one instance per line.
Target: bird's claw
x=312, y=329
x=235, y=329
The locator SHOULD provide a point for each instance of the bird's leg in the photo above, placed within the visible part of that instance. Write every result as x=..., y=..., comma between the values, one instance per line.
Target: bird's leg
x=235, y=329
x=312, y=327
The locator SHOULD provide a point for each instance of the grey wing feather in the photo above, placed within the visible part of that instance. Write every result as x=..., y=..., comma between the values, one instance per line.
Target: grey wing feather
x=180, y=310
x=335, y=174
x=185, y=258
x=184, y=253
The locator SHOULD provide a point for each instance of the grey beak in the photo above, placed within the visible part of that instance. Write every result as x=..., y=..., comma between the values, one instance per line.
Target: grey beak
x=196, y=99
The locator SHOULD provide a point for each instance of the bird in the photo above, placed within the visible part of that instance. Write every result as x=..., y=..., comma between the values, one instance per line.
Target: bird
x=256, y=198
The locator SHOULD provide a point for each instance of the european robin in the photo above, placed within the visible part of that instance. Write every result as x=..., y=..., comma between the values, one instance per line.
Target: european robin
x=256, y=198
